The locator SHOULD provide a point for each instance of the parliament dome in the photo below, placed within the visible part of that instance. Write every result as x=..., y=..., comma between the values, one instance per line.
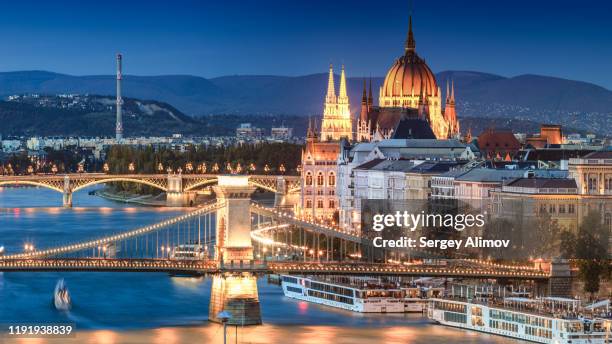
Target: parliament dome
x=409, y=75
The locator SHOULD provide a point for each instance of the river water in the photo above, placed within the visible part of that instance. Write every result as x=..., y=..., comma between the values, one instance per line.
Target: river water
x=113, y=308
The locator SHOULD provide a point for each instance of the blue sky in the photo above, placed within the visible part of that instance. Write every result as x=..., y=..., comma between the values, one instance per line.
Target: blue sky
x=567, y=39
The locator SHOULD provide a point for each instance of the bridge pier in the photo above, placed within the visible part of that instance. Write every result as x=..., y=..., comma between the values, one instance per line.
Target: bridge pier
x=67, y=199
x=238, y=295
x=67, y=195
x=176, y=196
x=560, y=282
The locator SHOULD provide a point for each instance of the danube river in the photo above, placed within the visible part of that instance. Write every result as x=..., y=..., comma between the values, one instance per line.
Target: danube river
x=156, y=308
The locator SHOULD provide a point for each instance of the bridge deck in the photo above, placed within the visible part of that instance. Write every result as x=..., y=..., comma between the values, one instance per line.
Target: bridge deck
x=310, y=268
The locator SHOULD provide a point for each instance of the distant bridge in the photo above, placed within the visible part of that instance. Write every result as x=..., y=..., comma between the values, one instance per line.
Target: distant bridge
x=175, y=185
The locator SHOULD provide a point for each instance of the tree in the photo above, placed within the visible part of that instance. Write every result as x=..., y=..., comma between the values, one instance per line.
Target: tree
x=591, y=250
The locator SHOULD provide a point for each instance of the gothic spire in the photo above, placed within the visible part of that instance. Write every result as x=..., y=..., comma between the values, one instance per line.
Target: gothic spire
x=331, y=88
x=452, y=98
x=447, y=91
x=370, y=98
x=342, y=91
x=410, y=43
x=310, y=131
x=364, y=98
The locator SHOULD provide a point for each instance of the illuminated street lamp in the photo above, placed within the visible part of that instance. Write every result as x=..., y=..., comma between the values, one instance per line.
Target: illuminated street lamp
x=266, y=168
x=189, y=167
x=252, y=167
x=203, y=167
x=105, y=168
x=160, y=167
x=1, y=250
x=216, y=167
x=131, y=167
x=30, y=169
x=238, y=168
x=80, y=168
x=282, y=168
x=224, y=317
x=53, y=168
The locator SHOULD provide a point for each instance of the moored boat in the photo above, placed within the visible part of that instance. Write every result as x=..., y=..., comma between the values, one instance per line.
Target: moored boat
x=61, y=296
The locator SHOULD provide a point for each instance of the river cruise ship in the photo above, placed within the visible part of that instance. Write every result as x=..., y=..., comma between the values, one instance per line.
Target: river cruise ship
x=542, y=320
x=360, y=294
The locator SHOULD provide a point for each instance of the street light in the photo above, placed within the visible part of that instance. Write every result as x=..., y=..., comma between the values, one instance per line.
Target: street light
x=131, y=167
x=224, y=317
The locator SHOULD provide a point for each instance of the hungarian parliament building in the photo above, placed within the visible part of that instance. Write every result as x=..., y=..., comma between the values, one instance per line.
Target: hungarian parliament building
x=410, y=107
x=409, y=146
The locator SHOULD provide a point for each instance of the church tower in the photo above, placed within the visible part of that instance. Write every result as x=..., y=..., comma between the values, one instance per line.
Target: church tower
x=363, y=123
x=450, y=114
x=337, y=122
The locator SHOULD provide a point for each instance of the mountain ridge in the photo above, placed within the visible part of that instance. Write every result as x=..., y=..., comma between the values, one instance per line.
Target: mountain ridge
x=527, y=96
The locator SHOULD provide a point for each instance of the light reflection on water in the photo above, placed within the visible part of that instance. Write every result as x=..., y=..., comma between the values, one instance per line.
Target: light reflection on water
x=114, y=308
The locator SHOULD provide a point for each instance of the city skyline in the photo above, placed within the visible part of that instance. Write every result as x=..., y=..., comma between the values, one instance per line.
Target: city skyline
x=563, y=40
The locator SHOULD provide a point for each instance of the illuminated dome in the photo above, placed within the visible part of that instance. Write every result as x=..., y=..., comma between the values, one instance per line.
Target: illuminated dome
x=408, y=77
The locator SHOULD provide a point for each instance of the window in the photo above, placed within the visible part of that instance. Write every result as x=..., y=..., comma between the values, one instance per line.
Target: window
x=308, y=179
x=308, y=203
x=332, y=204
x=320, y=180
x=331, y=179
x=551, y=208
x=571, y=208
x=294, y=290
x=320, y=203
x=561, y=208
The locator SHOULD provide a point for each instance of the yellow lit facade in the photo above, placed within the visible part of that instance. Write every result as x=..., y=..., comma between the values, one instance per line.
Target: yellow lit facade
x=337, y=122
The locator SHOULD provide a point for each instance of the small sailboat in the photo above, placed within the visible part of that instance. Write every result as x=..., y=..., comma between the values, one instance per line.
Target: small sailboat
x=61, y=296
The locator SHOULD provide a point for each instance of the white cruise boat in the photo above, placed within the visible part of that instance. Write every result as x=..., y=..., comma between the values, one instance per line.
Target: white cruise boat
x=415, y=300
x=544, y=320
x=364, y=296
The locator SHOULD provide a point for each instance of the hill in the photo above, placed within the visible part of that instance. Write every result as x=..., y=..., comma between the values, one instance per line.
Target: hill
x=525, y=97
x=89, y=115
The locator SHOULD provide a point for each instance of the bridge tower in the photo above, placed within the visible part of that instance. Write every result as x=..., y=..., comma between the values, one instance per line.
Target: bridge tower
x=235, y=292
x=67, y=195
x=234, y=220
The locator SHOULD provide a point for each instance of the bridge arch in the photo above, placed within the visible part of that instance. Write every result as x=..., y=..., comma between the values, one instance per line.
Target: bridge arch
x=119, y=179
x=201, y=183
x=214, y=180
x=32, y=183
x=262, y=186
